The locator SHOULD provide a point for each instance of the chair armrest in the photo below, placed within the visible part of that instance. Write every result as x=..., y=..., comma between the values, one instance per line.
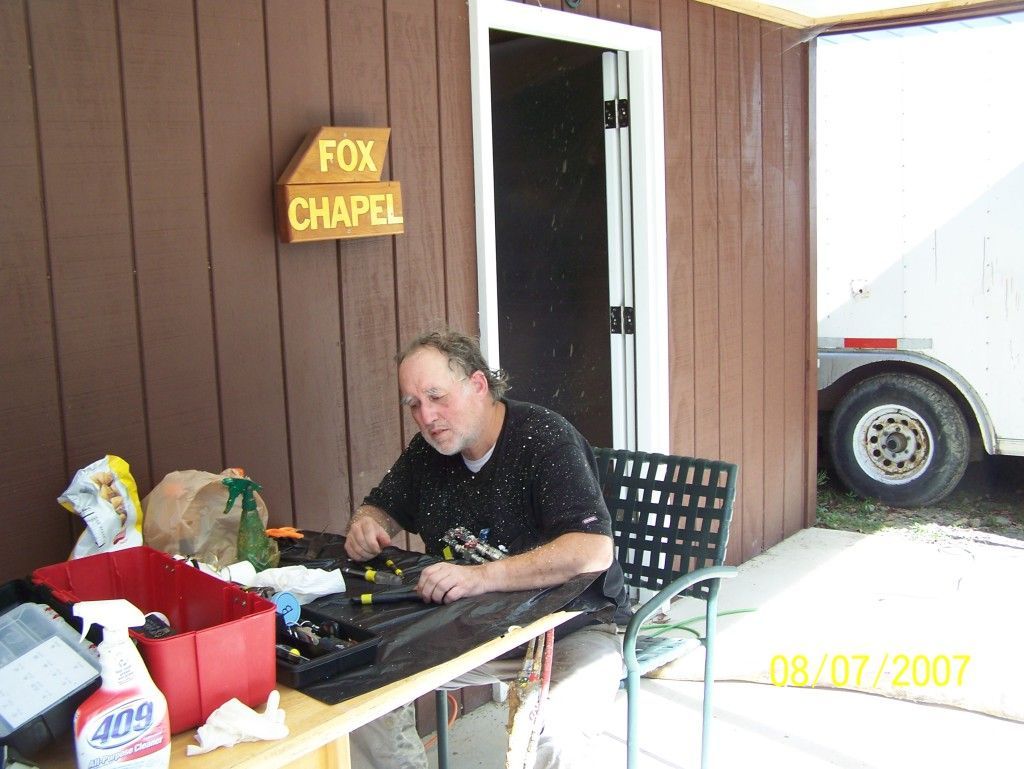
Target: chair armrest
x=671, y=590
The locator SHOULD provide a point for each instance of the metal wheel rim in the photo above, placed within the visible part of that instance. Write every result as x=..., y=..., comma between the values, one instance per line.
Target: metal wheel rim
x=892, y=444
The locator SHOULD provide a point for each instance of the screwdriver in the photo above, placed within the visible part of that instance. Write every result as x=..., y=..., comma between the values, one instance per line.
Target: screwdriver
x=391, y=565
x=389, y=596
x=290, y=654
x=372, y=575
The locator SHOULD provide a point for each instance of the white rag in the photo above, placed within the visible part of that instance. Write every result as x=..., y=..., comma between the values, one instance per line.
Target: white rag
x=304, y=583
x=235, y=722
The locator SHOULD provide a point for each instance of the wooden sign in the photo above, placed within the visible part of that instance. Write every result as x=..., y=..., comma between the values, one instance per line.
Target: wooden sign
x=332, y=189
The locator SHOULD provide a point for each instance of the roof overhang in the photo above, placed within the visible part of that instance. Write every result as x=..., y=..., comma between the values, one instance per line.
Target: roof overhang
x=864, y=14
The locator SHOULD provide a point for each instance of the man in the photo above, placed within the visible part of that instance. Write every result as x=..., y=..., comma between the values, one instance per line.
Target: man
x=526, y=478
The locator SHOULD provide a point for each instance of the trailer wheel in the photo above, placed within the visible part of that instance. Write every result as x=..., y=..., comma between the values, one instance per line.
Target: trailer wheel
x=900, y=439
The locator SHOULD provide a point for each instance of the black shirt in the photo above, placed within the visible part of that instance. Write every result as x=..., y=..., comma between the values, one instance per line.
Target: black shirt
x=539, y=483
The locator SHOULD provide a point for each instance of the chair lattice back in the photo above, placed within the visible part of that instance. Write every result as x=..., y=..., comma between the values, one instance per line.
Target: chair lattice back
x=670, y=514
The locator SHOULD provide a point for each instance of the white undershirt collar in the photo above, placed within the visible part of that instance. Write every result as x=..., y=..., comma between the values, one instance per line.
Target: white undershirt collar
x=474, y=465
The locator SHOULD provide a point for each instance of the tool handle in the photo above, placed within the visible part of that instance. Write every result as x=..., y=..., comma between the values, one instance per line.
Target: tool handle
x=389, y=596
x=372, y=575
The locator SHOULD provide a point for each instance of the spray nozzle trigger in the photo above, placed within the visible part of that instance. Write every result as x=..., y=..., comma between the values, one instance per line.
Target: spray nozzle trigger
x=245, y=487
x=116, y=616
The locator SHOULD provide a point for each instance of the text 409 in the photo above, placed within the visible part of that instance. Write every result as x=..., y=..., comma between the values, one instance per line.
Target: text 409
x=123, y=725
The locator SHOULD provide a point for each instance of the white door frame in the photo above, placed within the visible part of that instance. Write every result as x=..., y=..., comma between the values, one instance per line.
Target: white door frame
x=648, y=180
x=619, y=194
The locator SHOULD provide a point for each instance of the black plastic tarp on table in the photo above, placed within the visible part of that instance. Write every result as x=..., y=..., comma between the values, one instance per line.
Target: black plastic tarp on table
x=416, y=636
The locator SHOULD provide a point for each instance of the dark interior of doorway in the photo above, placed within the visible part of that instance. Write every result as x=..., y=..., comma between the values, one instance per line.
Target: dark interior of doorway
x=551, y=227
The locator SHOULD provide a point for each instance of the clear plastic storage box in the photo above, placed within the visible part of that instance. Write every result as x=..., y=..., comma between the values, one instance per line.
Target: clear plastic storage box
x=45, y=674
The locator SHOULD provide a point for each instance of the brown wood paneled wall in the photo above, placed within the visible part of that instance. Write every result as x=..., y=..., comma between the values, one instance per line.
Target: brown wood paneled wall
x=149, y=311
x=741, y=293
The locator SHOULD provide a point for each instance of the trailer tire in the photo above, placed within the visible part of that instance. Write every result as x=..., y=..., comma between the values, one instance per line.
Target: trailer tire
x=900, y=439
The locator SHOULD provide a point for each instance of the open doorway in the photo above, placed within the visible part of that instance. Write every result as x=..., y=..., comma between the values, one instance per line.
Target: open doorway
x=551, y=229
x=552, y=286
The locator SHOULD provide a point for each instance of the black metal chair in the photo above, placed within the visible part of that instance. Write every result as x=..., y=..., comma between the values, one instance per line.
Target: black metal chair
x=670, y=517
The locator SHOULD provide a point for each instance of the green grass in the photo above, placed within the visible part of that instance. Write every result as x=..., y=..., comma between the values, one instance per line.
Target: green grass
x=845, y=511
x=998, y=512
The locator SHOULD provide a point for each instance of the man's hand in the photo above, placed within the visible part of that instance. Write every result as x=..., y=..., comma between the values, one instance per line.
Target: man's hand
x=546, y=566
x=447, y=582
x=365, y=538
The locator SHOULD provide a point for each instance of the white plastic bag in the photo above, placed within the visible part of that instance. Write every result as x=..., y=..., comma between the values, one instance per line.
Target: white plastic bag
x=105, y=495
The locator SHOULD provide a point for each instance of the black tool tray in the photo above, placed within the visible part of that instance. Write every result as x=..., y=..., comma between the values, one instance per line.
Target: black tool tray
x=321, y=664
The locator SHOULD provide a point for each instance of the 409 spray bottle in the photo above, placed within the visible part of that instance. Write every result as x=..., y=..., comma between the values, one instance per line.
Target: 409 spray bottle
x=124, y=724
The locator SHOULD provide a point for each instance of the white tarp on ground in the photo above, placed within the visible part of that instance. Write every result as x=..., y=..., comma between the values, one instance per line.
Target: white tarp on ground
x=852, y=604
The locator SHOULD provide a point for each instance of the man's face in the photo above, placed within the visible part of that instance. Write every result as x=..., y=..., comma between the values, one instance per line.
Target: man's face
x=448, y=407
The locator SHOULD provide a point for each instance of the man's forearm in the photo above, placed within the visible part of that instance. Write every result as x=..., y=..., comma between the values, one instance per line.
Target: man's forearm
x=386, y=522
x=551, y=564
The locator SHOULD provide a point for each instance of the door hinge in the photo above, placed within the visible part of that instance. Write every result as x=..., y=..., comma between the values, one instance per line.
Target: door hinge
x=621, y=320
x=616, y=113
x=609, y=113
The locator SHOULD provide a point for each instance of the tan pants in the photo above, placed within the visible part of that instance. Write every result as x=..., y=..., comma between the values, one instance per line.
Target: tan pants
x=585, y=673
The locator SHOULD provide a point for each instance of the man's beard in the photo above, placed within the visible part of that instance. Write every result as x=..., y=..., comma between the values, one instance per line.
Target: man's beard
x=456, y=444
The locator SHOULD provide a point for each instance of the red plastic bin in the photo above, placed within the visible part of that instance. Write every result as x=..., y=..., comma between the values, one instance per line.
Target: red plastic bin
x=223, y=645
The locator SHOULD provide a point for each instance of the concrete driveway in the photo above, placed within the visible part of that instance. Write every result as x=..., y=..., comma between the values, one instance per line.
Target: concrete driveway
x=895, y=652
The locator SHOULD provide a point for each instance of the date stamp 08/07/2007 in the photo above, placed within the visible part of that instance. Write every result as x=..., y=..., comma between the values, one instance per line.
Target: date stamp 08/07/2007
x=869, y=670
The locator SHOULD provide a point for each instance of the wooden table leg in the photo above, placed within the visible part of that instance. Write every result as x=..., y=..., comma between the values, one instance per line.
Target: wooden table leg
x=333, y=755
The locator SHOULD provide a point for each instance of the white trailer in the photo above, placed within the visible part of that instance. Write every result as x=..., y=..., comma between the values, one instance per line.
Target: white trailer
x=920, y=252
